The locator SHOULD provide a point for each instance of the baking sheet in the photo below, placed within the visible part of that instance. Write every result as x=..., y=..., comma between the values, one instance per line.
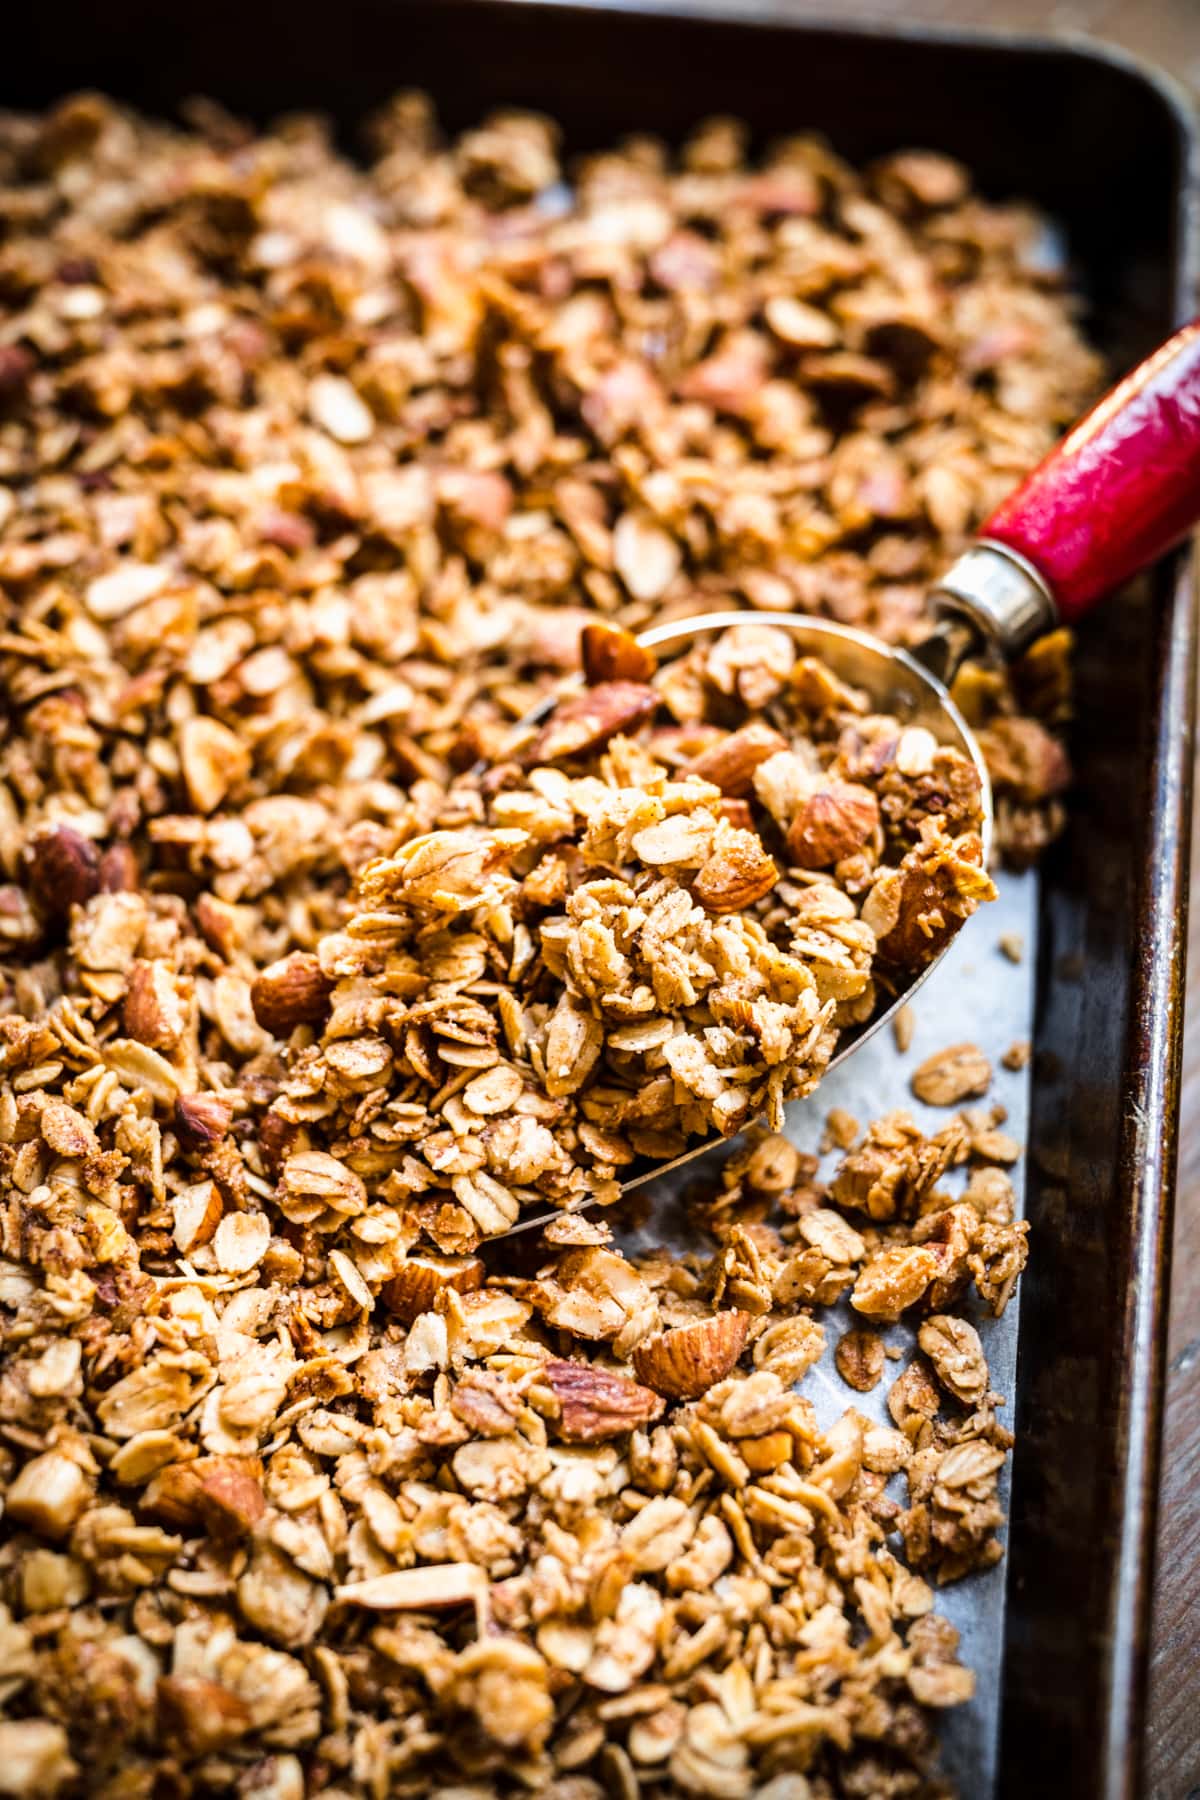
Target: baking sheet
x=977, y=995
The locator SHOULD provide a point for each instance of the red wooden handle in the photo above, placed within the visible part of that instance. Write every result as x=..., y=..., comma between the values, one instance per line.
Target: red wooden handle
x=1120, y=489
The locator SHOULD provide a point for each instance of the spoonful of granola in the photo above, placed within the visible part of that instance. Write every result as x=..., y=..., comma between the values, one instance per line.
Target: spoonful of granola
x=691, y=885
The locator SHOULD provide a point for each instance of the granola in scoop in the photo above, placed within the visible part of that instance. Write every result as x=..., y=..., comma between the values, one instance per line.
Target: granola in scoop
x=310, y=475
x=673, y=903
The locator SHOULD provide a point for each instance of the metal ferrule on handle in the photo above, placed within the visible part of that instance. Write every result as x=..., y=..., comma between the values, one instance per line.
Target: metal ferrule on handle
x=1119, y=491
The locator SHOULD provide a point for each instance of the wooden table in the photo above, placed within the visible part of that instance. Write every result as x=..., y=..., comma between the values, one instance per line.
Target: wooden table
x=1174, y=1726
x=1166, y=32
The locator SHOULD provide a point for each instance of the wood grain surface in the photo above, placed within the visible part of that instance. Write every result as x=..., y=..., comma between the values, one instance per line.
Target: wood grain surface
x=1166, y=32
x=1173, y=1749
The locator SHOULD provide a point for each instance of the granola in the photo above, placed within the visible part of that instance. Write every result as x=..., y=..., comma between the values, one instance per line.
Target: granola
x=606, y=967
x=587, y=1512
x=312, y=474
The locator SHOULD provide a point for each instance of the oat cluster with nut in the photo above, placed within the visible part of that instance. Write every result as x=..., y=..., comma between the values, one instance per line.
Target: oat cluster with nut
x=311, y=475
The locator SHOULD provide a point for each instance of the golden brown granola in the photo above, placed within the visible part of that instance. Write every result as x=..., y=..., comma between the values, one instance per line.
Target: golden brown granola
x=311, y=475
x=530, y=1520
x=607, y=966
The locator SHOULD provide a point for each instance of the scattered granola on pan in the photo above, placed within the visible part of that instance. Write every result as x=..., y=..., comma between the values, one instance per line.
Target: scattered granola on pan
x=527, y=1533
x=675, y=900
x=310, y=476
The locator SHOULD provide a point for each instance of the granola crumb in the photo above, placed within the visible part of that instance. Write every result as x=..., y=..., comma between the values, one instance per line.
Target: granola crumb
x=904, y=1022
x=951, y=1075
x=1012, y=945
x=1017, y=1055
x=841, y=1130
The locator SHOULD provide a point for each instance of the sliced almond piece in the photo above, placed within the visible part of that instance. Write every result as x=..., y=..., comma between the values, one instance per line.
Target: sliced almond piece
x=801, y=326
x=197, y=1211
x=213, y=760
x=573, y=1044
x=612, y=654
x=646, y=557
x=130, y=584
x=351, y=1279
x=419, y=1281
x=336, y=407
x=685, y=1362
x=405, y=1590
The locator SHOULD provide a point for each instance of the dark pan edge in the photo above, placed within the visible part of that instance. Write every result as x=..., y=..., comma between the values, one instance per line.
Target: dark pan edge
x=1150, y=1147
x=780, y=14
x=1146, y=1172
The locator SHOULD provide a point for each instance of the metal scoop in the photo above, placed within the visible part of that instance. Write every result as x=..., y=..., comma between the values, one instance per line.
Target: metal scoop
x=1121, y=489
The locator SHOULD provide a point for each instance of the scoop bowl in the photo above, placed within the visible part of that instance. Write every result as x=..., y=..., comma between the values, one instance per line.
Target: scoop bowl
x=896, y=683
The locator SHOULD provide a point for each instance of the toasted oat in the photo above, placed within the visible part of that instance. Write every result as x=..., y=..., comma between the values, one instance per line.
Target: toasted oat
x=953, y=1348
x=951, y=1075
x=434, y=1585
x=895, y=1166
x=860, y=1357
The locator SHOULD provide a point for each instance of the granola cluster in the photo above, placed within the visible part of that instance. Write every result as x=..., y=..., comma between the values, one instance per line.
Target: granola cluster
x=657, y=931
x=311, y=475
